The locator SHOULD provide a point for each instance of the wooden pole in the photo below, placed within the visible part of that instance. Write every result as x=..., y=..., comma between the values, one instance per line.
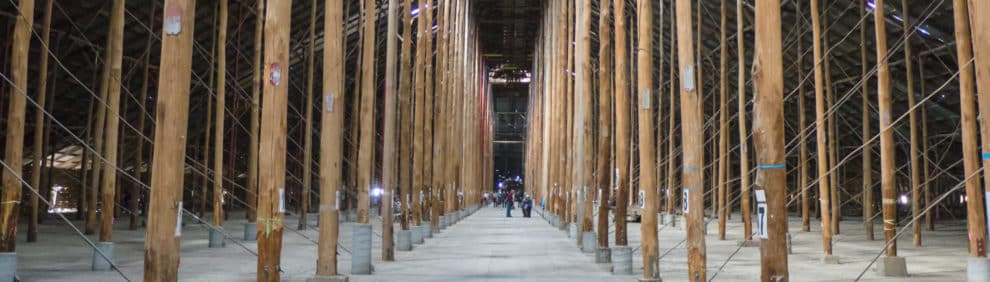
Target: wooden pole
x=98, y=139
x=622, y=126
x=692, y=142
x=406, y=124
x=161, y=259
x=583, y=120
x=271, y=150
x=604, y=119
x=418, y=169
x=113, y=120
x=136, y=191
x=367, y=110
x=39, y=123
x=331, y=137
x=768, y=129
x=887, y=165
x=308, y=131
x=867, y=134
x=205, y=147
x=83, y=206
x=913, y=117
x=441, y=110
x=252, y=175
x=723, y=131
x=219, y=112
x=647, y=153
x=389, y=166
x=924, y=145
x=743, y=131
x=823, y=168
x=672, y=191
x=803, y=135
x=429, y=115
x=975, y=219
x=17, y=103
x=836, y=202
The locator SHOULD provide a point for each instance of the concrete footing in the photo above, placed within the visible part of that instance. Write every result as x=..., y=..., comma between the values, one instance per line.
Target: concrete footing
x=216, y=237
x=748, y=243
x=892, y=266
x=103, y=256
x=325, y=278
x=250, y=231
x=603, y=255
x=350, y=216
x=403, y=240
x=657, y=279
x=8, y=266
x=554, y=221
x=443, y=222
x=978, y=270
x=572, y=231
x=417, y=234
x=589, y=242
x=830, y=259
x=563, y=226
x=622, y=260
x=427, y=229
x=361, y=249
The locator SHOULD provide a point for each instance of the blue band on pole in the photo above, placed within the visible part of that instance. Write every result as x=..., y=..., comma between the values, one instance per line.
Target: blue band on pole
x=986, y=156
x=773, y=166
x=690, y=168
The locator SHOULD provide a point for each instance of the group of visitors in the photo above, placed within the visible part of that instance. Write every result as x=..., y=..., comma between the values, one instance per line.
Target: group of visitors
x=509, y=200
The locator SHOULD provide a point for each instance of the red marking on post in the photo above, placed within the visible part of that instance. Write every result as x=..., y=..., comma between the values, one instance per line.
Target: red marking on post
x=173, y=19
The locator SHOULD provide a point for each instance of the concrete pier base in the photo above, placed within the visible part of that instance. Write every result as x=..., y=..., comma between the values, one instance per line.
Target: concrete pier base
x=978, y=270
x=892, y=266
x=8, y=266
x=572, y=231
x=443, y=222
x=589, y=242
x=621, y=260
x=216, y=237
x=603, y=255
x=830, y=259
x=427, y=229
x=361, y=249
x=403, y=240
x=250, y=231
x=417, y=234
x=103, y=256
x=323, y=278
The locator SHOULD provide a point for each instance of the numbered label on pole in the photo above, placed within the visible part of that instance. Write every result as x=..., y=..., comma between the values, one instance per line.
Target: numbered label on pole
x=684, y=201
x=762, y=230
x=281, y=200
x=178, y=221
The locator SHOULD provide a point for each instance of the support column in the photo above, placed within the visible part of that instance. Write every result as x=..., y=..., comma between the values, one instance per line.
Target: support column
x=602, y=252
x=251, y=227
x=103, y=258
x=647, y=152
x=389, y=158
x=692, y=136
x=216, y=233
x=867, y=133
x=307, y=161
x=39, y=125
x=821, y=131
x=978, y=268
x=913, y=117
x=723, y=131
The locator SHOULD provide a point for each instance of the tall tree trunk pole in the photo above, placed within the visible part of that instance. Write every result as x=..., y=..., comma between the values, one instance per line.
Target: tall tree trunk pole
x=39, y=123
x=966, y=44
x=98, y=140
x=887, y=165
x=836, y=202
x=418, y=170
x=692, y=132
x=926, y=170
x=867, y=133
x=647, y=152
x=913, y=116
x=161, y=261
x=823, y=168
x=389, y=166
x=136, y=192
x=672, y=191
x=308, y=131
x=113, y=120
x=252, y=175
x=584, y=118
x=768, y=126
x=802, y=133
x=271, y=150
x=429, y=117
x=622, y=127
x=331, y=137
x=367, y=139
x=15, y=126
x=406, y=124
x=604, y=119
x=83, y=210
x=205, y=147
x=219, y=118
x=723, y=131
x=440, y=110
x=743, y=126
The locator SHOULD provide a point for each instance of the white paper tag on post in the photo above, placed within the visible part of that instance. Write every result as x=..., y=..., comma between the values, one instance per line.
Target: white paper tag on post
x=644, y=99
x=642, y=199
x=688, y=80
x=178, y=221
x=281, y=199
x=422, y=196
x=328, y=102
x=761, y=221
x=761, y=196
x=336, y=204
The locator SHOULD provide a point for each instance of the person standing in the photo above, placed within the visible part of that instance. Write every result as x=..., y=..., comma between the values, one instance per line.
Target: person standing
x=508, y=205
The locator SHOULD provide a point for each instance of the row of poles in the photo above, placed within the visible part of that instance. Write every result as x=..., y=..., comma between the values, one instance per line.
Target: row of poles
x=442, y=85
x=567, y=162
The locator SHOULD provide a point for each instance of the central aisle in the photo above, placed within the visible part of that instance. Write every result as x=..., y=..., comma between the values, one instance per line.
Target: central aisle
x=487, y=246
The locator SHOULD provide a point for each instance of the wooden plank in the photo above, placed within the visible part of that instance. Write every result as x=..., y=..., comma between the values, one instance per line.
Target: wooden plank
x=17, y=102
x=161, y=259
x=331, y=137
x=823, y=168
x=692, y=140
x=768, y=137
x=271, y=148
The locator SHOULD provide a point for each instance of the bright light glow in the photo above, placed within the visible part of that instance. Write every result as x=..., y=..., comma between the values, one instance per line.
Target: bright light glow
x=376, y=191
x=500, y=185
x=904, y=199
x=414, y=12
